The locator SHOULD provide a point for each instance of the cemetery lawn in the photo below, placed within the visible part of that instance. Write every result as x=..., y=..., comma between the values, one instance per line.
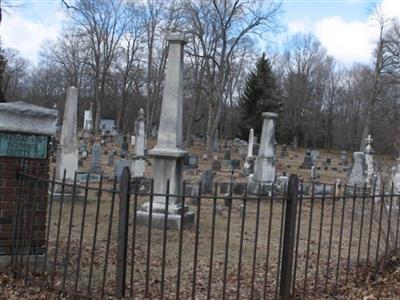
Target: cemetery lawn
x=368, y=285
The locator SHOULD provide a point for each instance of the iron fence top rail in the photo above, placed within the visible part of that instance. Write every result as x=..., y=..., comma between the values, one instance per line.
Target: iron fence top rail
x=342, y=196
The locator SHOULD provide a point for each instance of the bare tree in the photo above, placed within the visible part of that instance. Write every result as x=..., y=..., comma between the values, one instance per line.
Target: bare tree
x=103, y=24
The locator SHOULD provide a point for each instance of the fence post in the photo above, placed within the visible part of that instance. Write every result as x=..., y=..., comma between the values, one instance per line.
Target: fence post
x=123, y=221
x=288, y=238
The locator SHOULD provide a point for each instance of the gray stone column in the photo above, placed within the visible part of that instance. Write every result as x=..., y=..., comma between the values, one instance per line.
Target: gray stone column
x=138, y=161
x=264, y=167
x=168, y=152
x=67, y=153
x=369, y=161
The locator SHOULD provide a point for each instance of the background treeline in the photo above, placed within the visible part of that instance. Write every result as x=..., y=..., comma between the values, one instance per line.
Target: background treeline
x=115, y=52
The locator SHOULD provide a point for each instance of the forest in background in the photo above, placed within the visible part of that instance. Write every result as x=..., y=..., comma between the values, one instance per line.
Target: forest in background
x=115, y=53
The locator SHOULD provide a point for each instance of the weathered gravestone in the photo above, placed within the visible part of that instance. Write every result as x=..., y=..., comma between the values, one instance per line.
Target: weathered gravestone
x=207, y=181
x=67, y=153
x=357, y=170
x=111, y=158
x=168, y=152
x=124, y=148
x=265, y=164
x=216, y=165
x=25, y=131
x=343, y=158
x=284, y=152
x=308, y=160
x=119, y=167
x=95, y=166
x=369, y=161
x=138, y=161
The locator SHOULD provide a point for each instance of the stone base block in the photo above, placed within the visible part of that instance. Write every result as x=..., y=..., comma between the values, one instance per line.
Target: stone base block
x=262, y=188
x=158, y=220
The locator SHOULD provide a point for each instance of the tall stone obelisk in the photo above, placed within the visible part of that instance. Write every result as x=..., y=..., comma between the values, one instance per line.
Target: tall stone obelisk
x=138, y=161
x=168, y=152
x=67, y=153
x=265, y=164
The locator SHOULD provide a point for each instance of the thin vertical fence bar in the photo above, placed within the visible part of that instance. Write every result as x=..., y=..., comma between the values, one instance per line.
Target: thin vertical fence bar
x=398, y=223
x=389, y=224
x=380, y=226
x=46, y=252
x=148, y=250
x=228, y=229
x=361, y=225
x=69, y=233
x=210, y=267
x=341, y=236
x=123, y=226
x=196, y=242
x=17, y=220
x=164, y=245
x=297, y=237
x=42, y=206
x=280, y=246
x=242, y=227
x=178, y=275
x=110, y=222
x=271, y=208
x=288, y=243
x=32, y=186
x=96, y=224
x=371, y=222
x=134, y=218
x=321, y=220
x=330, y=239
x=78, y=264
x=58, y=229
x=253, y=274
x=351, y=233
x=309, y=240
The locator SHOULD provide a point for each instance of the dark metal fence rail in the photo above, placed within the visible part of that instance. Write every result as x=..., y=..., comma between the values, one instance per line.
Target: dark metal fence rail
x=243, y=247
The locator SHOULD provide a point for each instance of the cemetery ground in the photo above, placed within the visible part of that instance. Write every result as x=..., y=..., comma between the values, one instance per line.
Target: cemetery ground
x=322, y=264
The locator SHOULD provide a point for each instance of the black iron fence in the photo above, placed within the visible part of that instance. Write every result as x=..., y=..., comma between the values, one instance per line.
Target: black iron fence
x=246, y=246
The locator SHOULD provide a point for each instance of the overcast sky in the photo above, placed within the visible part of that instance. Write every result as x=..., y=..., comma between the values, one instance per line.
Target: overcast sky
x=344, y=27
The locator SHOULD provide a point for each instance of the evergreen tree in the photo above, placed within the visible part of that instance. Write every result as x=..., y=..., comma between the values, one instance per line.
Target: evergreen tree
x=261, y=94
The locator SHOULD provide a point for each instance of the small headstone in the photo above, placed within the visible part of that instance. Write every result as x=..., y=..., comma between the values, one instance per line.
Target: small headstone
x=111, y=159
x=313, y=173
x=238, y=188
x=308, y=160
x=284, y=151
x=207, y=179
x=224, y=187
x=95, y=166
x=227, y=153
x=216, y=166
x=226, y=164
x=343, y=158
x=84, y=154
x=328, y=161
x=124, y=148
x=314, y=155
x=119, y=167
x=235, y=164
